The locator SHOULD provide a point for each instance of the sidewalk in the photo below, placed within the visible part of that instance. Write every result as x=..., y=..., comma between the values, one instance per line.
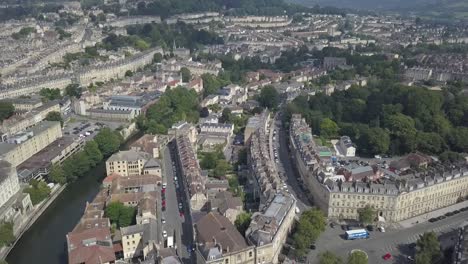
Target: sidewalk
x=424, y=217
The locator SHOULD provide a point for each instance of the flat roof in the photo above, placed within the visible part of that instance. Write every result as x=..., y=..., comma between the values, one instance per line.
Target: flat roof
x=356, y=231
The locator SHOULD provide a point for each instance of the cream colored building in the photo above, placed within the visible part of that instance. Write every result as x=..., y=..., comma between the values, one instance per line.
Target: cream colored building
x=9, y=185
x=269, y=229
x=127, y=163
x=24, y=145
x=394, y=197
x=20, y=123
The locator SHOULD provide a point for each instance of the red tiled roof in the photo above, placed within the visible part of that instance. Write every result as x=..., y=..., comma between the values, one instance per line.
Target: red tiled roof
x=90, y=246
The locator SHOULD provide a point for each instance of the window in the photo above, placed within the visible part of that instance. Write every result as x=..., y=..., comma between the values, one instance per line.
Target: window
x=226, y=261
x=250, y=254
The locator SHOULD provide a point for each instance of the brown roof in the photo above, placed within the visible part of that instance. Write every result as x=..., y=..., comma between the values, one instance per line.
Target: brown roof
x=91, y=223
x=214, y=228
x=90, y=246
x=224, y=201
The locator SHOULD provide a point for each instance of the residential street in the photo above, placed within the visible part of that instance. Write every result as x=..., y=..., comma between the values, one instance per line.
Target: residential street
x=175, y=224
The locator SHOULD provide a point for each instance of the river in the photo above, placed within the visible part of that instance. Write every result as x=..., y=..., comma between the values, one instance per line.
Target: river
x=45, y=241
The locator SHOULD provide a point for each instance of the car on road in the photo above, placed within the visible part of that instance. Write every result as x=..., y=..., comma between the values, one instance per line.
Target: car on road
x=410, y=258
x=432, y=220
x=175, y=178
x=312, y=246
x=370, y=228
x=163, y=208
x=164, y=185
x=163, y=220
x=164, y=234
x=382, y=229
x=387, y=256
x=332, y=225
x=181, y=214
x=180, y=206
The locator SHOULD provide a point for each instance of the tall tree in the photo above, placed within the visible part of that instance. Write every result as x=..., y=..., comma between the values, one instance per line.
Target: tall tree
x=57, y=174
x=269, y=97
x=242, y=222
x=428, y=248
x=94, y=154
x=54, y=116
x=108, y=141
x=367, y=214
x=119, y=214
x=186, y=75
x=6, y=234
x=328, y=128
x=73, y=90
x=6, y=110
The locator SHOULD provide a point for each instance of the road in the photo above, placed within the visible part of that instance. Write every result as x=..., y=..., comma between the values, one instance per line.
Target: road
x=285, y=166
x=181, y=227
x=394, y=241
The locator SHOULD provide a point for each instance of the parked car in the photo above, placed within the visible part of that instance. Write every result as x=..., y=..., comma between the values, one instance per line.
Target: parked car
x=312, y=246
x=370, y=227
x=180, y=205
x=432, y=220
x=382, y=229
x=164, y=233
x=163, y=220
x=387, y=256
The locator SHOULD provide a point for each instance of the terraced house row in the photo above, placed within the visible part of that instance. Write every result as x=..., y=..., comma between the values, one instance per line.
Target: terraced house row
x=412, y=186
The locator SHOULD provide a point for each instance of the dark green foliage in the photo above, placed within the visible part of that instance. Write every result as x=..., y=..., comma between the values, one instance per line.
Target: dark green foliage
x=108, y=141
x=212, y=84
x=95, y=156
x=50, y=94
x=243, y=221
x=186, y=75
x=358, y=257
x=311, y=224
x=38, y=191
x=367, y=214
x=428, y=249
x=174, y=105
x=6, y=110
x=269, y=97
x=54, y=116
x=73, y=90
x=386, y=117
x=157, y=58
x=119, y=214
x=77, y=165
x=57, y=174
x=6, y=234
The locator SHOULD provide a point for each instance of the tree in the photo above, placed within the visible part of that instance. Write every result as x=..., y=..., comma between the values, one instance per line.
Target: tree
x=38, y=191
x=50, y=94
x=358, y=257
x=242, y=222
x=186, y=75
x=328, y=257
x=157, y=58
x=73, y=90
x=128, y=73
x=269, y=97
x=120, y=214
x=374, y=141
x=226, y=116
x=209, y=161
x=54, y=116
x=428, y=249
x=57, y=174
x=311, y=224
x=328, y=128
x=222, y=167
x=108, y=141
x=367, y=214
x=211, y=83
x=6, y=110
x=6, y=234
x=94, y=154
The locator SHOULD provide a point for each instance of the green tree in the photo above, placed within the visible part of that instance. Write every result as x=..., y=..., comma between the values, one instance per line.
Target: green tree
x=186, y=75
x=269, y=97
x=108, y=141
x=54, y=116
x=367, y=214
x=226, y=116
x=94, y=154
x=128, y=73
x=242, y=222
x=374, y=140
x=120, y=214
x=6, y=234
x=73, y=90
x=38, y=191
x=50, y=94
x=211, y=84
x=328, y=128
x=157, y=58
x=57, y=174
x=428, y=249
x=6, y=110
x=3, y=262
x=328, y=257
x=221, y=168
x=459, y=139
x=209, y=161
x=311, y=224
x=358, y=257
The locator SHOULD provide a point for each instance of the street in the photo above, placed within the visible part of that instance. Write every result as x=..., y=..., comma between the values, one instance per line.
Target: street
x=394, y=241
x=178, y=226
x=285, y=166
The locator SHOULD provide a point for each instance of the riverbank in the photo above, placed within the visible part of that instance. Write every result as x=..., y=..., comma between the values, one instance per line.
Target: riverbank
x=45, y=241
x=32, y=217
